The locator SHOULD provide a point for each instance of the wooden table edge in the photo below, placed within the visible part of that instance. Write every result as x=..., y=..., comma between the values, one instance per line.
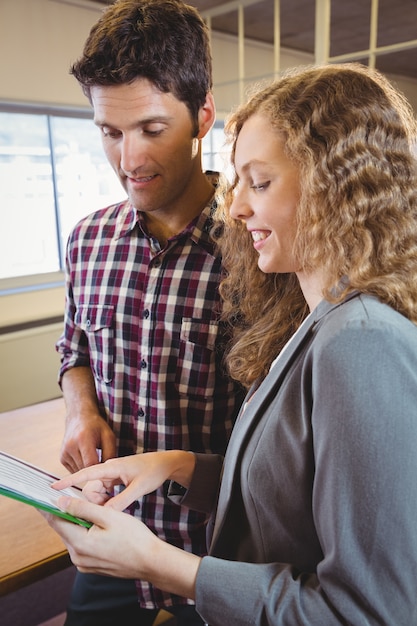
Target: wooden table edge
x=34, y=572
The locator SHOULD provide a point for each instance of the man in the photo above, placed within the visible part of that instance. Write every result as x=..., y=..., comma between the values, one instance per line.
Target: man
x=141, y=352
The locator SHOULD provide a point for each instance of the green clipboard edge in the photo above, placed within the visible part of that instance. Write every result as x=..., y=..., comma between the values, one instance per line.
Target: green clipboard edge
x=44, y=507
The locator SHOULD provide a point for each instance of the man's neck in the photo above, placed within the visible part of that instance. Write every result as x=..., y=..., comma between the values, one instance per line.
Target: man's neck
x=163, y=225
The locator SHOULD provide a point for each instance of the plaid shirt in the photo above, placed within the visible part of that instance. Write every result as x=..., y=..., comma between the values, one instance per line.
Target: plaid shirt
x=146, y=321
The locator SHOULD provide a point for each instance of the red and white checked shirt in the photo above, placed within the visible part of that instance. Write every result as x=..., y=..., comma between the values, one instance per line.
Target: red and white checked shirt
x=146, y=321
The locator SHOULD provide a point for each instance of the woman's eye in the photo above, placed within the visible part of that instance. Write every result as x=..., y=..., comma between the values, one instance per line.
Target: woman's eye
x=260, y=186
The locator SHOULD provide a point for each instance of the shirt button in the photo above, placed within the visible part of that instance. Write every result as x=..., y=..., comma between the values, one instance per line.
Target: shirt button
x=143, y=364
x=146, y=314
x=141, y=413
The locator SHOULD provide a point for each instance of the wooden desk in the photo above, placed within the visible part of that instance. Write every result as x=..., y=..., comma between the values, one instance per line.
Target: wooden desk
x=29, y=549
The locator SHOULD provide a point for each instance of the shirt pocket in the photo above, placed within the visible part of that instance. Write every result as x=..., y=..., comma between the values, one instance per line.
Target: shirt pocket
x=97, y=324
x=196, y=365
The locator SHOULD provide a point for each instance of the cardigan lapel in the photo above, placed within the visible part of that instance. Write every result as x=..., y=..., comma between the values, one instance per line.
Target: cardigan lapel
x=250, y=416
x=260, y=396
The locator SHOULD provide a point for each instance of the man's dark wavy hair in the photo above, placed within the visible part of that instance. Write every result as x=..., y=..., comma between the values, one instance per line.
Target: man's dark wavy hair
x=164, y=41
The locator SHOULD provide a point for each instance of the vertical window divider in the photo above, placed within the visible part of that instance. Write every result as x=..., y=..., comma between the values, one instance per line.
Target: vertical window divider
x=373, y=34
x=55, y=192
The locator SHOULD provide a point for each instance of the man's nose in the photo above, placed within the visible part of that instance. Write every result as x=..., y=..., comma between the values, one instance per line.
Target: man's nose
x=133, y=153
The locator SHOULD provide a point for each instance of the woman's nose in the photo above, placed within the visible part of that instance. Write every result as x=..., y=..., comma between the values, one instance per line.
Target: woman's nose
x=240, y=208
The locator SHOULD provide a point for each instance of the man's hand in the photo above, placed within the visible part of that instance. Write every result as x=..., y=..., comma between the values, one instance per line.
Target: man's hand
x=86, y=431
x=84, y=437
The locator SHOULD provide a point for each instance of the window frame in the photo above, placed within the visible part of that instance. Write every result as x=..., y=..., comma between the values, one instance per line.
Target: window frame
x=30, y=282
x=33, y=282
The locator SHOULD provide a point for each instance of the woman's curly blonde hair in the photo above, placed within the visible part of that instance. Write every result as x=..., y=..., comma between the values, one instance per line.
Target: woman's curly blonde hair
x=353, y=137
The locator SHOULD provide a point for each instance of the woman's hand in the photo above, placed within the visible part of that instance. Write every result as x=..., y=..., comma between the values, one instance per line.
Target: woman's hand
x=120, y=545
x=139, y=473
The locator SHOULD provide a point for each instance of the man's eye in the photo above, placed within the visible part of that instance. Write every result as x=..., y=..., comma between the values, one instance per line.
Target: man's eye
x=153, y=130
x=110, y=132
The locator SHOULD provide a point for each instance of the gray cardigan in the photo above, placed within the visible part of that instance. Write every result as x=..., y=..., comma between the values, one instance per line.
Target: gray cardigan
x=316, y=520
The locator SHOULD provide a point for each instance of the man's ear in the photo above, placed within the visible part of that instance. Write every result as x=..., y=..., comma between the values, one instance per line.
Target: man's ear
x=206, y=116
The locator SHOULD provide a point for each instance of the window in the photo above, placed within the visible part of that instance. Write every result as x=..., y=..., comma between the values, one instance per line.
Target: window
x=84, y=181
x=28, y=243
x=215, y=152
x=53, y=172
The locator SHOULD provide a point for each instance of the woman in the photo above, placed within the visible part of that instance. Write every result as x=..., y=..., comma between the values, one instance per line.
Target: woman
x=316, y=516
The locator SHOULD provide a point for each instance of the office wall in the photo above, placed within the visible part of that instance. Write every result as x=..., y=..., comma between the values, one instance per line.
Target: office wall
x=39, y=39
x=30, y=324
